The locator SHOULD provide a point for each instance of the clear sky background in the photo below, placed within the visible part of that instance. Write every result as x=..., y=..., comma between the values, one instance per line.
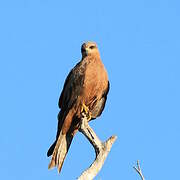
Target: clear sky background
x=139, y=43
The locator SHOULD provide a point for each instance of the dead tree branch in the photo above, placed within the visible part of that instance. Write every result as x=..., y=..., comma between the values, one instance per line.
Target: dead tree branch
x=101, y=149
x=138, y=170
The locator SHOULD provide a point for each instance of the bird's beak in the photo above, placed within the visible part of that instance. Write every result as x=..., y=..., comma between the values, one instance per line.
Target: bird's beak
x=86, y=50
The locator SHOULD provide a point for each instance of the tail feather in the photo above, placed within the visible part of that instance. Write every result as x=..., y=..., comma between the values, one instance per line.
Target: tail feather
x=51, y=149
x=60, y=150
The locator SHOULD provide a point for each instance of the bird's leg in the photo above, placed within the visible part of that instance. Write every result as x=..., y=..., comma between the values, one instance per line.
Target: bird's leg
x=85, y=109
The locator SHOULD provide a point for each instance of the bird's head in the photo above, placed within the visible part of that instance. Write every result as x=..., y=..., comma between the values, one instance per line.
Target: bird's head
x=89, y=49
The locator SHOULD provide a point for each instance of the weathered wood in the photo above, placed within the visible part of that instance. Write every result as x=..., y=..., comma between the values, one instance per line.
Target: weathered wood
x=102, y=149
x=139, y=171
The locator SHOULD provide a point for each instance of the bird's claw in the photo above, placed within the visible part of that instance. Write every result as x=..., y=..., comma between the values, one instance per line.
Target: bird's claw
x=85, y=109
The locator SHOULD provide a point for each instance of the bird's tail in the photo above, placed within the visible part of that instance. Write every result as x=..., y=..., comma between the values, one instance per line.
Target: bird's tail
x=60, y=150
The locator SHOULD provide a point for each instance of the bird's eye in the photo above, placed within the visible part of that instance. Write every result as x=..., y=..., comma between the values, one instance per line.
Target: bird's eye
x=92, y=47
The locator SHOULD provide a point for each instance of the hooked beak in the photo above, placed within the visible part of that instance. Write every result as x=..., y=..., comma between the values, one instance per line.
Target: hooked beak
x=86, y=51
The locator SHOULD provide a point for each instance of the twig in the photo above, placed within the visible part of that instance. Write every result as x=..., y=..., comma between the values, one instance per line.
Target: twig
x=101, y=149
x=138, y=170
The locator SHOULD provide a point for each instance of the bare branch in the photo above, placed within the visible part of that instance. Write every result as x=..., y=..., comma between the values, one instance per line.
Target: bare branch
x=101, y=149
x=138, y=170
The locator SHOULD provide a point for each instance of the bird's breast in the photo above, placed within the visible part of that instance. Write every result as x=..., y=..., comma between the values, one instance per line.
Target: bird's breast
x=95, y=81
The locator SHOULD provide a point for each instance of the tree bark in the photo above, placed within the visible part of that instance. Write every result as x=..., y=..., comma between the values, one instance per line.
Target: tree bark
x=102, y=149
x=139, y=171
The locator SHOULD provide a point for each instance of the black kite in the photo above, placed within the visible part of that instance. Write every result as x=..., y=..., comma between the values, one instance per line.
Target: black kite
x=85, y=89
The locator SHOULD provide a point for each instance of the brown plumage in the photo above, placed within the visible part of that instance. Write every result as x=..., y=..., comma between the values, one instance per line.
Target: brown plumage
x=86, y=88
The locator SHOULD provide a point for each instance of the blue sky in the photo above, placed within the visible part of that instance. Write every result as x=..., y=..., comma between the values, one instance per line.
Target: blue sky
x=139, y=43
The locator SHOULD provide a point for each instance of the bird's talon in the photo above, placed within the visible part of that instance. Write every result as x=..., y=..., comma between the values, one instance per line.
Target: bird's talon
x=84, y=108
x=87, y=112
x=89, y=117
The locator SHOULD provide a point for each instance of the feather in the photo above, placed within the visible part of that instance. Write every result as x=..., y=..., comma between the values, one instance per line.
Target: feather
x=60, y=151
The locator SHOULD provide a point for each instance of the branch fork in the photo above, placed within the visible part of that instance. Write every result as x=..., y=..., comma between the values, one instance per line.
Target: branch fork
x=102, y=149
x=138, y=170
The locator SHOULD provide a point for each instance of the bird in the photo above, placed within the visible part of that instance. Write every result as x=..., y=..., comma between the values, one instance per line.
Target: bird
x=85, y=90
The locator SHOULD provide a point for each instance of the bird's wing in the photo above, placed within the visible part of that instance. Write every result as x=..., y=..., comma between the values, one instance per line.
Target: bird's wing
x=98, y=109
x=69, y=95
x=65, y=86
x=72, y=88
